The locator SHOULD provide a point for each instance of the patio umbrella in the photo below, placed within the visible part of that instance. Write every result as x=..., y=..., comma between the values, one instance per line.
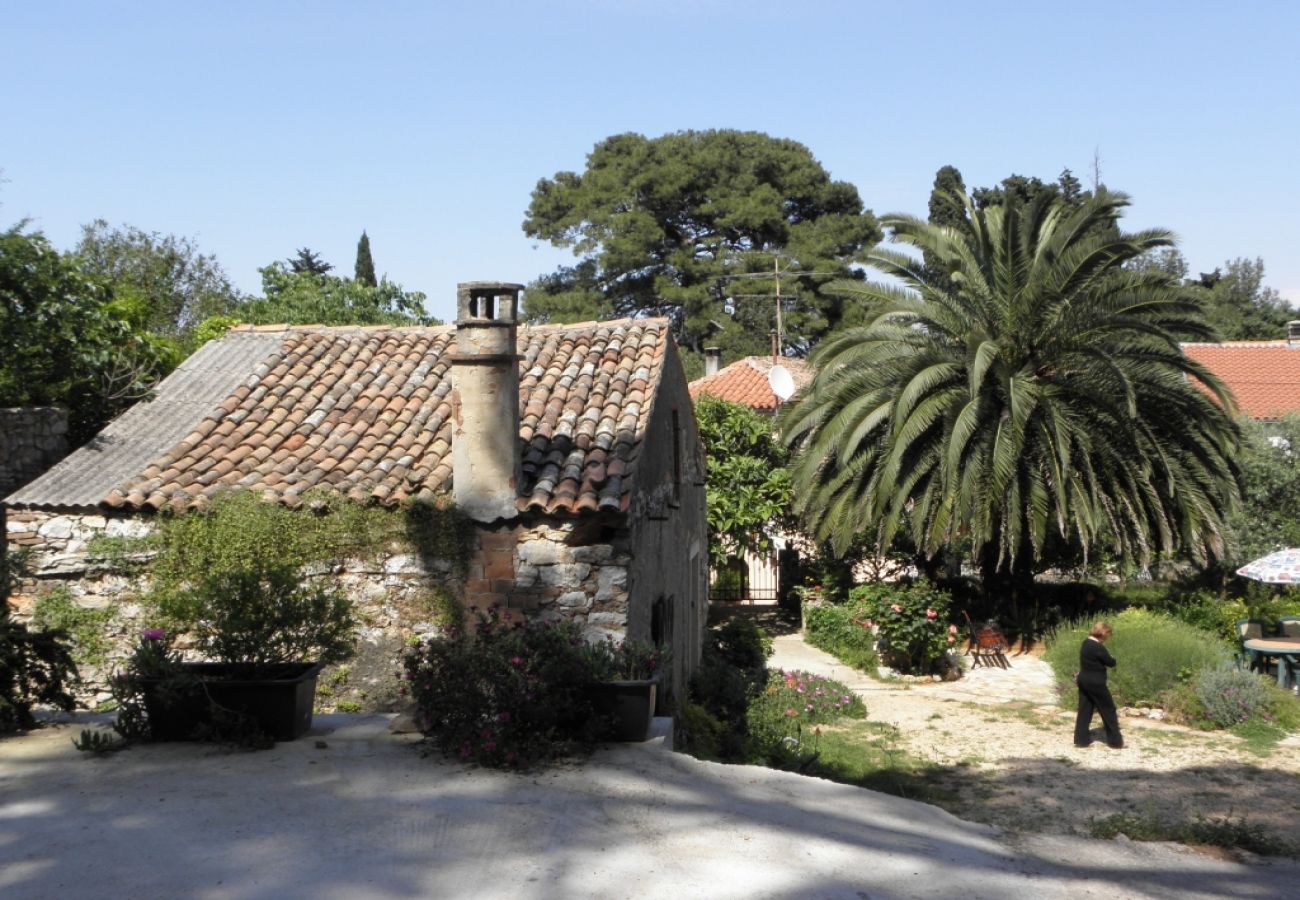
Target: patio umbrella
x=1279, y=567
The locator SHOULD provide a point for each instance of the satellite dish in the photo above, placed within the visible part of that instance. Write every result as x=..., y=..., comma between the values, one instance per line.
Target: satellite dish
x=781, y=382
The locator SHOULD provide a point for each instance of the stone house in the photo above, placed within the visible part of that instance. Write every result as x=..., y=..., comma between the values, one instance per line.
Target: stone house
x=573, y=449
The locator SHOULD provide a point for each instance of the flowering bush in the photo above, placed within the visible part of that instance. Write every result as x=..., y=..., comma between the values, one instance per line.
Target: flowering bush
x=1231, y=696
x=910, y=621
x=625, y=661
x=794, y=703
x=508, y=695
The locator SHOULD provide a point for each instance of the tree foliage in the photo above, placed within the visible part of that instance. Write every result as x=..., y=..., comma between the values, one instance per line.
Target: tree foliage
x=1237, y=303
x=66, y=341
x=308, y=262
x=174, y=284
x=1037, y=393
x=1269, y=516
x=664, y=225
x=301, y=298
x=364, y=270
x=749, y=486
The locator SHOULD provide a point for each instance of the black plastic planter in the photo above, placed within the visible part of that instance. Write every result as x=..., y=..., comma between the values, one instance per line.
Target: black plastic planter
x=278, y=702
x=628, y=705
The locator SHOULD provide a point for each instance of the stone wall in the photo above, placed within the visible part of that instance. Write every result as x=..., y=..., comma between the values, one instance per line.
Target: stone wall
x=31, y=440
x=544, y=569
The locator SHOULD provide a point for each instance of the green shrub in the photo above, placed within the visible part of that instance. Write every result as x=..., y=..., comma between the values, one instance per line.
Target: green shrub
x=1230, y=695
x=699, y=732
x=266, y=616
x=838, y=629
x=786, y=714
x=912, y=623
x=508, y=696
x=732, y=672
x=1153, y=651
x=35, y=666
x=59, y=612
x=1216, y=832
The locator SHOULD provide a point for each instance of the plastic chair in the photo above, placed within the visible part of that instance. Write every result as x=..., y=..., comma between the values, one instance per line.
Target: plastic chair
x=1248, y=629
x=1289, y=626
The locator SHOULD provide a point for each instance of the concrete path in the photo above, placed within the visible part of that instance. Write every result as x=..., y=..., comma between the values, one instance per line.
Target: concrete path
x=352, y=812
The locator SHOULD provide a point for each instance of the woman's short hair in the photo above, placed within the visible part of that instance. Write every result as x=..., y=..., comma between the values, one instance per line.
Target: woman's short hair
x=1101, y=631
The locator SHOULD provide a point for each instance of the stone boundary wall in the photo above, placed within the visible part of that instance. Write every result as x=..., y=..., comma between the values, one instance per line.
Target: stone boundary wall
x=32, y=439
x=527, y=570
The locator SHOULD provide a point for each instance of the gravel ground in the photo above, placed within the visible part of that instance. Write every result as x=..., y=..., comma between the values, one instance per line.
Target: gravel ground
x=1006, y=753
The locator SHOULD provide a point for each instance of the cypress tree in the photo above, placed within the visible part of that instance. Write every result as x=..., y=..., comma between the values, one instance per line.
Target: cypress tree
x=365, y=268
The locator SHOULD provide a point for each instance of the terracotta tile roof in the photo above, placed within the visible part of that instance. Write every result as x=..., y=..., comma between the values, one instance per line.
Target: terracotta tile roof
x=366, y=412
x=745, y=381
x=1264, y=376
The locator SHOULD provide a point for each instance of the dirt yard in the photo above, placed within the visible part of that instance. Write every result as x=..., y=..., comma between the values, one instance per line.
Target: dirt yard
x=1003, y=754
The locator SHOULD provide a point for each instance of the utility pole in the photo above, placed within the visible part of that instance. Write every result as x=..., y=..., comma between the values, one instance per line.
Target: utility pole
x=776, y=277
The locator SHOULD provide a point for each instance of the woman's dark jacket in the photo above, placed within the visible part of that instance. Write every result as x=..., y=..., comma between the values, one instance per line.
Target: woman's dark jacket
x=1094, y=660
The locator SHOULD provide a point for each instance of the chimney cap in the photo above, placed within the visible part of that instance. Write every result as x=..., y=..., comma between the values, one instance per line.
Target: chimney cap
x=476, y=303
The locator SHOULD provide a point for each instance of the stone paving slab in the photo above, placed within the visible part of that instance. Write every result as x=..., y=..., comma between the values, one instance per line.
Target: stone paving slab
x=1026, y=679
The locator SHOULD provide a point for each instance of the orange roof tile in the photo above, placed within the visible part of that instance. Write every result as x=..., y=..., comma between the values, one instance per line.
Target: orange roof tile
x=745, y=382
x=1264, y=376
x=366, y=413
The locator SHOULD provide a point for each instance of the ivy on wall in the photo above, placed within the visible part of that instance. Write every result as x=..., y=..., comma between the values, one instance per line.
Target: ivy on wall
x=239, y=530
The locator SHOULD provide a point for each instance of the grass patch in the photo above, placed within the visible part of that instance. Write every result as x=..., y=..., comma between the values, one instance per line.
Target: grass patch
x=1261, y=737
x=1227, y=831
x=871, y=755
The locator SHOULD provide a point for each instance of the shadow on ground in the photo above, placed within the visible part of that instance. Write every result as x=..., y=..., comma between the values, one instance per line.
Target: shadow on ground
x=368, y=816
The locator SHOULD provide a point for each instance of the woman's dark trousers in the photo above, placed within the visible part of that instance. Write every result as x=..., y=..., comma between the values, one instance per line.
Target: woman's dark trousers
x=1096, y=697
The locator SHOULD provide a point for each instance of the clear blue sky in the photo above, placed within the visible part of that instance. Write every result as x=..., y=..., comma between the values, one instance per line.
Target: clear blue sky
x=257, y=128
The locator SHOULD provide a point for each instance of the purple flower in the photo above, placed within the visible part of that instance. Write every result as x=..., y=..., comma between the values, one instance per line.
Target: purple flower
x=153, y=634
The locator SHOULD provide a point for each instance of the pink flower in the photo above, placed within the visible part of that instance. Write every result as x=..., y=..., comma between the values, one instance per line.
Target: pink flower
x=952, y=629
x=896, y=608
x=931, y=614
x=153, y=634
x=516, y=660
x=951, y=639
x=792, y=712
x=489, y=745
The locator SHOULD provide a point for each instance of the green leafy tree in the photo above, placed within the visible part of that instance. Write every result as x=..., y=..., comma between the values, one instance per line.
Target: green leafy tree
x=174, y=284
x=1237, y=302
x=295, y=298
x=1269, y=516
x=364, y=271
x=665, y=226
x=307, y=262
x=1241, y=307
x=1037, y=395
x=66, y=341
x=748, y=493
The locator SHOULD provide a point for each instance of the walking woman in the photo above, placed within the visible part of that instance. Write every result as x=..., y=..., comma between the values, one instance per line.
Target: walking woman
x=1094, y=660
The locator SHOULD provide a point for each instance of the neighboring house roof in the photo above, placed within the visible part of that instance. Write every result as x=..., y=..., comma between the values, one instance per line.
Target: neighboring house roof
x=745, y=381
x=366, y=412
x=1264, y=376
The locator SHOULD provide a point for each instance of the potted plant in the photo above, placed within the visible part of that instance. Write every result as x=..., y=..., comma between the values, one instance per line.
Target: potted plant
x=266, y=637
x=625, y=682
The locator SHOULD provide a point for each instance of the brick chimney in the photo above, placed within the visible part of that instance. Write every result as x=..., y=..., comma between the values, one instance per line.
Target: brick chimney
x=1293, y=334
x=712, y=360
x=485, y=401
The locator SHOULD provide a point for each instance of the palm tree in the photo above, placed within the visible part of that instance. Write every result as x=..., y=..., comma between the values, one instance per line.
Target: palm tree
x=1026, y=389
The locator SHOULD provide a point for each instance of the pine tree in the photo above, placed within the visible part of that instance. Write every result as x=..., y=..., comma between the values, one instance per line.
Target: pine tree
x=308, y=262
x=365, y=268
